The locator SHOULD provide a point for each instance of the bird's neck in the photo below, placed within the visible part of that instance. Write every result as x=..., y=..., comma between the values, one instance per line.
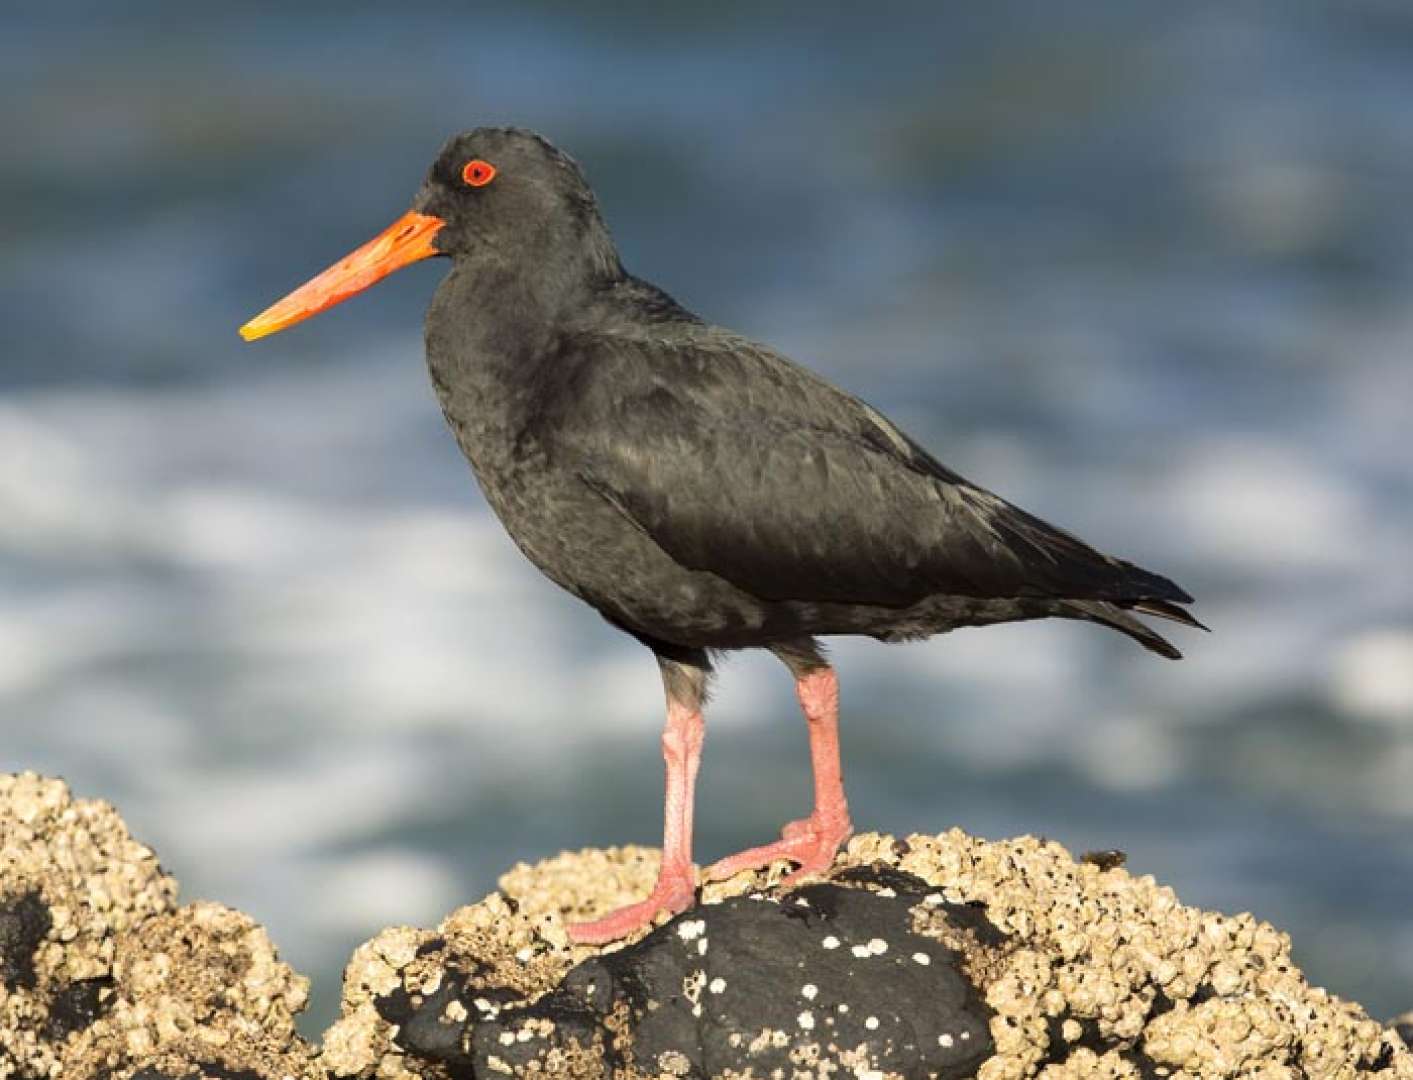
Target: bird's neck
x=491, y=327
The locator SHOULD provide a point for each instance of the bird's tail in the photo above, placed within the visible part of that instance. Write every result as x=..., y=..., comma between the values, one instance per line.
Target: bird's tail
x=1115, y=616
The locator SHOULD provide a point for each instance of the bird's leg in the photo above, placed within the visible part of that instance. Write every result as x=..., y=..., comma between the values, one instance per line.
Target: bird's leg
x=682, y=738
x=811, y=842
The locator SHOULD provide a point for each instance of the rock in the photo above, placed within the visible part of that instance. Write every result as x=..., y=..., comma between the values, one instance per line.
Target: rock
x=832, y=973
x=102, y=975
x=934, y=956
x=1049, y=967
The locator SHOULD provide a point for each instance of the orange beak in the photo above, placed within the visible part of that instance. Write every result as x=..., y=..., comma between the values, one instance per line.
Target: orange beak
x=405, y=241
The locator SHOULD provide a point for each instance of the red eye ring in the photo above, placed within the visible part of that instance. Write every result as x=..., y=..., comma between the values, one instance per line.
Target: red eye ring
x=478, y=173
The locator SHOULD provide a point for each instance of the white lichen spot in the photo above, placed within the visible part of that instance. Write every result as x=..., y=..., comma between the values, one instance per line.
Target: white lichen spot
x=921, y=958
x=843, y=1006
x=861, y=951
x=702, y=947
x=674, y=1063
x=523, y=955
x=717, y=985
x=871, y=1023
x=806, y=1020
x=831, y=942
x=966, y=1035
x=944, y=1040
x=887, y=892
x=877, y=946
x=455, y=1011
x=933, y=899
x=507, y=1038
x=692, y=986
x=691, y=929
x=802, y=901
x=809, y=990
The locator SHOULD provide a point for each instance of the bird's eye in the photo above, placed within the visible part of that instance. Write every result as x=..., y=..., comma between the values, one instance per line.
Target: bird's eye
x=478, y=173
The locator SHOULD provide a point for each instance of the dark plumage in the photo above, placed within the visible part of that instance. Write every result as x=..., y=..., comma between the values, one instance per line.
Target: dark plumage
x=700, y=490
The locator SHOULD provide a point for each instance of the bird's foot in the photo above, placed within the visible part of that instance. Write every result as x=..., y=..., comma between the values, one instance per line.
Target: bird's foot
x=675, y=892
x=811, y=843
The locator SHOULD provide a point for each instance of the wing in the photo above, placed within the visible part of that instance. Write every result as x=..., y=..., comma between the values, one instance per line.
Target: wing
x=736, y=461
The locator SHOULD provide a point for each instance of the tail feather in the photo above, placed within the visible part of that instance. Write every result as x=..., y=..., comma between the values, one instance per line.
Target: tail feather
x=1138, y=582
x=1117, y=618
x=1164, y=610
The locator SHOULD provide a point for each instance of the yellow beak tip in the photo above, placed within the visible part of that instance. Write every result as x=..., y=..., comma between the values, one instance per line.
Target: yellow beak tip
x=250, y=331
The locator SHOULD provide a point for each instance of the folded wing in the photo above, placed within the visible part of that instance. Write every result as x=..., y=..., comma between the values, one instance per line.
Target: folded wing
x=738, y=462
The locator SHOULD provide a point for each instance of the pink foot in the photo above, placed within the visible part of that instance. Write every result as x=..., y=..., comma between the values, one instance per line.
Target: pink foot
x=810, y=843
x=674, y=893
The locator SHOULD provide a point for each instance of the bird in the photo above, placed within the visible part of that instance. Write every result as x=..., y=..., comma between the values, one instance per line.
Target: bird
x=701, y=491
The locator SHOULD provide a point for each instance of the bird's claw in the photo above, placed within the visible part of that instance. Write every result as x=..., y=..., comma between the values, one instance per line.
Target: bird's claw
x=674, y=893
x=810, y=843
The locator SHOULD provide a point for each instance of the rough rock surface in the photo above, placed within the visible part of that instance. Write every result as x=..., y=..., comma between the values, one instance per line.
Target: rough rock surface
x=834, y=975
x=103, y=976
x=1050, y=967
x=942, y=956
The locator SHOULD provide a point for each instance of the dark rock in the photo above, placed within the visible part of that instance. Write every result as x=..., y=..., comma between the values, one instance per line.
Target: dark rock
x=24, y=921
x=1109, y=859
x=77, y=1006
x=750, y=984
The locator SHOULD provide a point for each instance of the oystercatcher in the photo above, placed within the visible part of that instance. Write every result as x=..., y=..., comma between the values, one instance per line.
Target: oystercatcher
x=700, y=490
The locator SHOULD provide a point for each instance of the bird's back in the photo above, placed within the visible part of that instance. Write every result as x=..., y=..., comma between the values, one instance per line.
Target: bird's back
x=740, y=464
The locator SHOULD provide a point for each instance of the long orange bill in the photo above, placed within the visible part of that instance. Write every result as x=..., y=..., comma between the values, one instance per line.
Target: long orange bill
x=405, y=241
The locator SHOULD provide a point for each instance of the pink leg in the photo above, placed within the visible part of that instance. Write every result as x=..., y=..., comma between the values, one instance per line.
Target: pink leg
x=813, y=841
x=676, y=886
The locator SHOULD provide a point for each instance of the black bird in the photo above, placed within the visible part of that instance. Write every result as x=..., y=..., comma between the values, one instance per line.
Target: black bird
x=700, y=490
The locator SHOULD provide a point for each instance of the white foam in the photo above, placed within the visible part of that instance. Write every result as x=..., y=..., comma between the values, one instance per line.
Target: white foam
x=1372, y=676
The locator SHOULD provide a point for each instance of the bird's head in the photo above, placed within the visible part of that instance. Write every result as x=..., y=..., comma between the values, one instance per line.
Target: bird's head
x=496, y=196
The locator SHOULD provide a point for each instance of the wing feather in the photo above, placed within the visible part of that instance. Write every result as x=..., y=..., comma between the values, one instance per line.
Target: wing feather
x=736, y=461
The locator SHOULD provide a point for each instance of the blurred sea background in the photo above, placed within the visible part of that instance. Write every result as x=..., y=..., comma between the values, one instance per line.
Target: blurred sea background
x=1144, y=268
